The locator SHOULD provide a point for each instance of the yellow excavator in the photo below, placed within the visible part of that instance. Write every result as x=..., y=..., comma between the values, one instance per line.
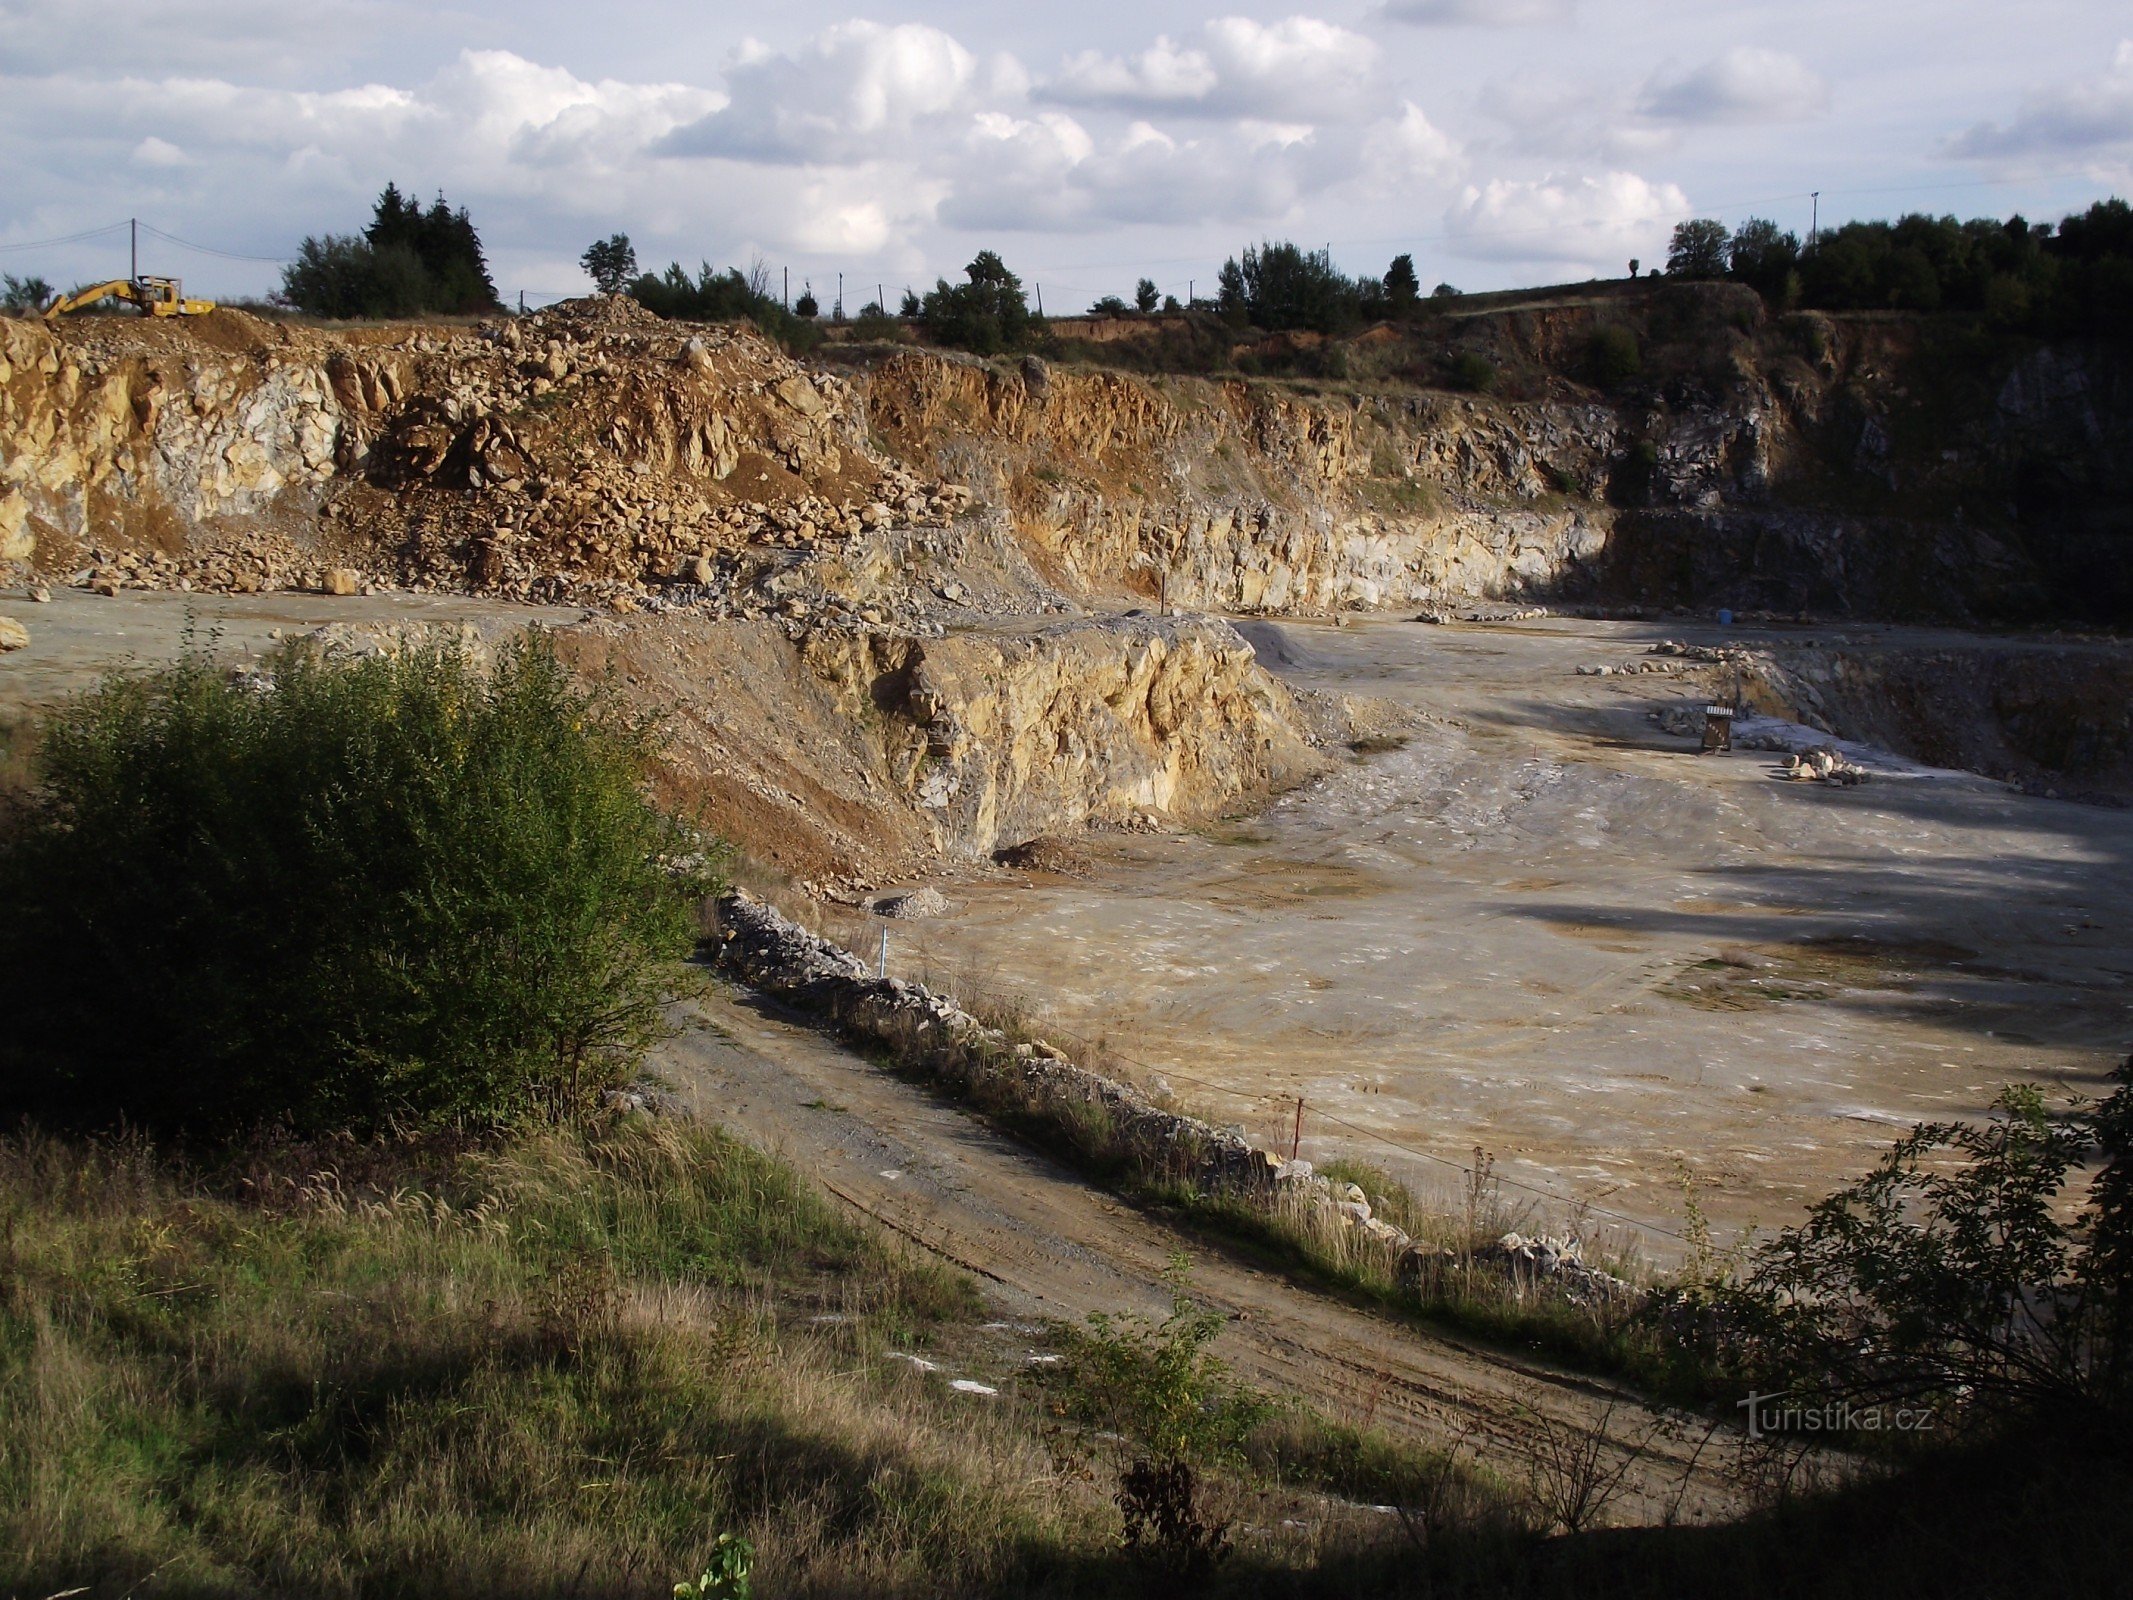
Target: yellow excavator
x=156, y=297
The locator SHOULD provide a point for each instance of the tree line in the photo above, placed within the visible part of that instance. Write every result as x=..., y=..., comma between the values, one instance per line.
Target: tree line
x=410, y=261
x=2072, y=278
x=2075, y=278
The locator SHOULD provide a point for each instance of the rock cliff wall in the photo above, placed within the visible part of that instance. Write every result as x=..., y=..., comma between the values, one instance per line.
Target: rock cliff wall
x=1854, y=466
x=846, y=756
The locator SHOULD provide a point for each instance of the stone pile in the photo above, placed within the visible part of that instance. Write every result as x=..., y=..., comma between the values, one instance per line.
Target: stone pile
x=1723, y=653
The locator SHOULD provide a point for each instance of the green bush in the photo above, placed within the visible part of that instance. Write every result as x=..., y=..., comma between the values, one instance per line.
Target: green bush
x=402, y=890
x=1472, y=371
x=1958, y=1275
x=1611, y=355
x=987, y=315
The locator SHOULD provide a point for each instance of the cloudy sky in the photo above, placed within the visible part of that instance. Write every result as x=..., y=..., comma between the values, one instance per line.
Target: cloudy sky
x=1499, y=141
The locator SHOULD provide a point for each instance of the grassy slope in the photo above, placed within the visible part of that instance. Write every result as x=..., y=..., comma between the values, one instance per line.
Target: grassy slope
x=559, y=1366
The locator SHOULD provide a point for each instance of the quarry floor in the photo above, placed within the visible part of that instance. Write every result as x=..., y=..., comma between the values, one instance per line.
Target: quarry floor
x=1544, y=927
x=1540, y=926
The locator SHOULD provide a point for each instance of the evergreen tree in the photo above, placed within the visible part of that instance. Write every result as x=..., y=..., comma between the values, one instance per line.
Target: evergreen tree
x=407, y=262
x=1402, y=287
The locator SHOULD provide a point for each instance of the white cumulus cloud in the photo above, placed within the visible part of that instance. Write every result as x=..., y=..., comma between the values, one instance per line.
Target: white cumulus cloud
x=2093, y=116
x=1594, y=222
x=1746, y=84
x=1481, y=13
x=1300, y=69
x=852, y=92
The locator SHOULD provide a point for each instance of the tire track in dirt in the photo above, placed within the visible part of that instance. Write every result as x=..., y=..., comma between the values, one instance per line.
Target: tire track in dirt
x=1052, y=1246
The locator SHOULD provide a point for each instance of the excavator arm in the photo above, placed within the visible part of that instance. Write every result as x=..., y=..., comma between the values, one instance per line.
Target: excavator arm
x=121, y=287
x=156, y=297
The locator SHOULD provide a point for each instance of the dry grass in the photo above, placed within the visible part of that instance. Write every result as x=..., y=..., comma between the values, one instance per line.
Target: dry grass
x=565, y=1366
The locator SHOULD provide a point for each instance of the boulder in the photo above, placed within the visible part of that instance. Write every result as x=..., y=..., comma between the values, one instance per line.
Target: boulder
x=13, y=635
x=341, y=581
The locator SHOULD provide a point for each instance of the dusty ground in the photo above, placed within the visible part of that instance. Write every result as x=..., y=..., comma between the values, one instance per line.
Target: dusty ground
x=1544, y=927
x=1051, y=1247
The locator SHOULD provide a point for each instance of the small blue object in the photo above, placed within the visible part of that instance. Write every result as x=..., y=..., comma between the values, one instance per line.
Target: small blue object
x=1725, y=619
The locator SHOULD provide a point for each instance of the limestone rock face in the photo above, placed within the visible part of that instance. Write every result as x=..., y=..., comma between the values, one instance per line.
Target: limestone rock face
x=1235, y=497
x=998, y=738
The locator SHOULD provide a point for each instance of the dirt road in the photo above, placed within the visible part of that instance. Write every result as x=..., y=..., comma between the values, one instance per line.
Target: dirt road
x=1051, y=1246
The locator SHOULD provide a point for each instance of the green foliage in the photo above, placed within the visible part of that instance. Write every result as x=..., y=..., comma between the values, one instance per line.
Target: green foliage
x=724, y=297
x=400, y=890
x=1110, y=306
x=986, y=315
x=1959, y=1283
x=407, y=262
x=1698, y=249
x=1158, y=1387
x=1767, y=259
x=807, y=305
x=2076, y=279
x=1146, y=296
x=1156, y=1383
x=1612, y=356
x=1472, y=371
x=23, y=294
x=875, y=323
x=1402, y=287
x=1279, y=286
x=611, y=263
x=727, y=1576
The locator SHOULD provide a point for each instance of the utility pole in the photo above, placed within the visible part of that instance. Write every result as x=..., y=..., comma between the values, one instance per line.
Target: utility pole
x=788, y=289
x=134, y=233
x=1040, y=299
x=881, y=300
x=840, y=297
x=1814, y=224
x=522, y=302
x=1188, y=293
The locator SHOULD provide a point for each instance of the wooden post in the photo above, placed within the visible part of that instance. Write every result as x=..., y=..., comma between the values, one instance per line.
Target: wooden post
x=1296, y=1138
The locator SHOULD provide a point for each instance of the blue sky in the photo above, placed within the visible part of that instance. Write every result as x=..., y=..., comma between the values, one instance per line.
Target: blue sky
x=1499, y=141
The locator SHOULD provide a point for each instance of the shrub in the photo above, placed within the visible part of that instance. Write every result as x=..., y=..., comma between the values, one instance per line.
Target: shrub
x=1968, y=1286
x=23, y=294
x=986, y=315
x=727, y=296
x=1280, y=286
x=1172, y=1406
x=1612, y=356
x=1472, y=371
x=401, y=890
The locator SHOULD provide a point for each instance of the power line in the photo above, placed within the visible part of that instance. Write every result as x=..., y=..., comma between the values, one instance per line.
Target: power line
x=71, y=238
x=210, y=250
